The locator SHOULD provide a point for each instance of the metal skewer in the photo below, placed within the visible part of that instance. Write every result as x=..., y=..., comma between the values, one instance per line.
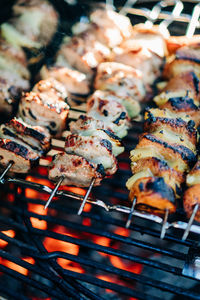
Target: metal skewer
x=164, y=227
x=187, y=230
x=6, y=170
x=54, y=191
x=86, y=196
x=128, y=223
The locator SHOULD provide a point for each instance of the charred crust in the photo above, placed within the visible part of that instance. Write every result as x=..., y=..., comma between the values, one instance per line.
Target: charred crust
x=157, y=185
x=122, y=116
x=100, y=169
x=107, y=144
x=112, y=135
x=195, y=82
x=183, y=103
x=186, y=153
x=183, y=57
x=32, y=115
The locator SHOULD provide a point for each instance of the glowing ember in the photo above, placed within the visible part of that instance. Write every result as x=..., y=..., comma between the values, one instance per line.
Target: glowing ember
x=9, y=233
x=16, y=267
x=38, y=209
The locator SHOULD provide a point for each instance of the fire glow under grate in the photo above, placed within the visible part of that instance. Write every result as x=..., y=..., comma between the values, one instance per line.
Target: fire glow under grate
x=56, y=254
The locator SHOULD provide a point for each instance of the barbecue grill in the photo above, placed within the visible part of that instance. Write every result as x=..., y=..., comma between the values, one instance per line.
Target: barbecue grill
x=92, y=244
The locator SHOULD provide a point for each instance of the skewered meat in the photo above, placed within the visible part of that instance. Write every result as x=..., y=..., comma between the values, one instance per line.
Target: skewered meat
x=176, y=42
x=88, y=126
x=46, y=108
x=35, y=137
x=93, y=149
x=140, y=58
x=160, y=160
x=74, y=81
x=23, y=157
x=110, y=19
x=30, y=26
x=186, y=59
x=192, y=194
x=13, y=59
x=83, y=52
x=153, y=38
x=111, y=112
x=119, y=78
x=76, y=170
x=11, y=86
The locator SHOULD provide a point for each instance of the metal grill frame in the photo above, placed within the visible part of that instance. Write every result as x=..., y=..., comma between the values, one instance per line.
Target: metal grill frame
x=67, y=282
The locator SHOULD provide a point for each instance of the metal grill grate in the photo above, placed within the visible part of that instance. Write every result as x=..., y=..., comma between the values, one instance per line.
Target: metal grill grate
x=139, y=248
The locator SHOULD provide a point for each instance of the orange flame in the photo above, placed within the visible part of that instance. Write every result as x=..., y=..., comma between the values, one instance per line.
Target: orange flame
x=9, y=233
x=38, y=209
x=17, y=267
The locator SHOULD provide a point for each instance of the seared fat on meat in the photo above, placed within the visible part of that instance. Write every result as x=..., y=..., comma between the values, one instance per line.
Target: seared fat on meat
x=181, y=95
x=110, y=112
x=47, y=108
x=88, y=126
x=83, y=52
x=192, y=194
x=110, y=19
x=140, y=58
x=119, y=78
x=93, y=149
x=11, y=86
x=76, y=170
x=35, y=137
x=132, y=106
x=160, y=160
x=33, y=24
x=23, y=157
x=186, y=59
x=74, y=81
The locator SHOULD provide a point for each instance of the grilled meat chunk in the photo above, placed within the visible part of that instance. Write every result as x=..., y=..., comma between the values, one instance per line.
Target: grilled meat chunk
x=30, y=27
x=52, y=88
x=76, y=170
x=181, y=95
x=88, y=126
x=11, y=86
x=186, y=59
x=46, y=108
x=74, y=81
x=23, y=157
x=35, y=137
x=140, y=58
x=83, y=52
x=93, y=149
x=192, y=194
x=119, y=78
x=110, y=19
x=110, y=112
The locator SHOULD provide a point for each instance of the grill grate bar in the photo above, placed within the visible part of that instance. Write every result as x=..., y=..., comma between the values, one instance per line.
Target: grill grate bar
x=14, y=295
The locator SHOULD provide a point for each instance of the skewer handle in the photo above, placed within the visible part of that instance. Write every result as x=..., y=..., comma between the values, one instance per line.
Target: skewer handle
x=6, y=170
x=86, y=196
x=164, y=225
x=187, y=230
x=54, y=191
x=128, y=223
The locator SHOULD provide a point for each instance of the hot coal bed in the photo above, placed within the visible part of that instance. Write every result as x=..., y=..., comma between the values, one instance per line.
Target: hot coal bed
x=56, y=254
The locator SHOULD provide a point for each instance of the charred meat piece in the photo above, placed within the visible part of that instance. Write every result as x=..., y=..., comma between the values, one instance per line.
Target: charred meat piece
x=192, y=194
x=76, y=170
x=121, y=79
x=110, y=112
x=52, y=88
x=23, y=157
x=83, y=52
x=88, y=126
x=11, y=86
x=35, y=137
x=93, y=149
x=132, y=106
x=181, y=95
x=44, y=109
x=140, y=58
x=74, y=81
x=153, y=195
x=33, y=24
x=186, y=59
